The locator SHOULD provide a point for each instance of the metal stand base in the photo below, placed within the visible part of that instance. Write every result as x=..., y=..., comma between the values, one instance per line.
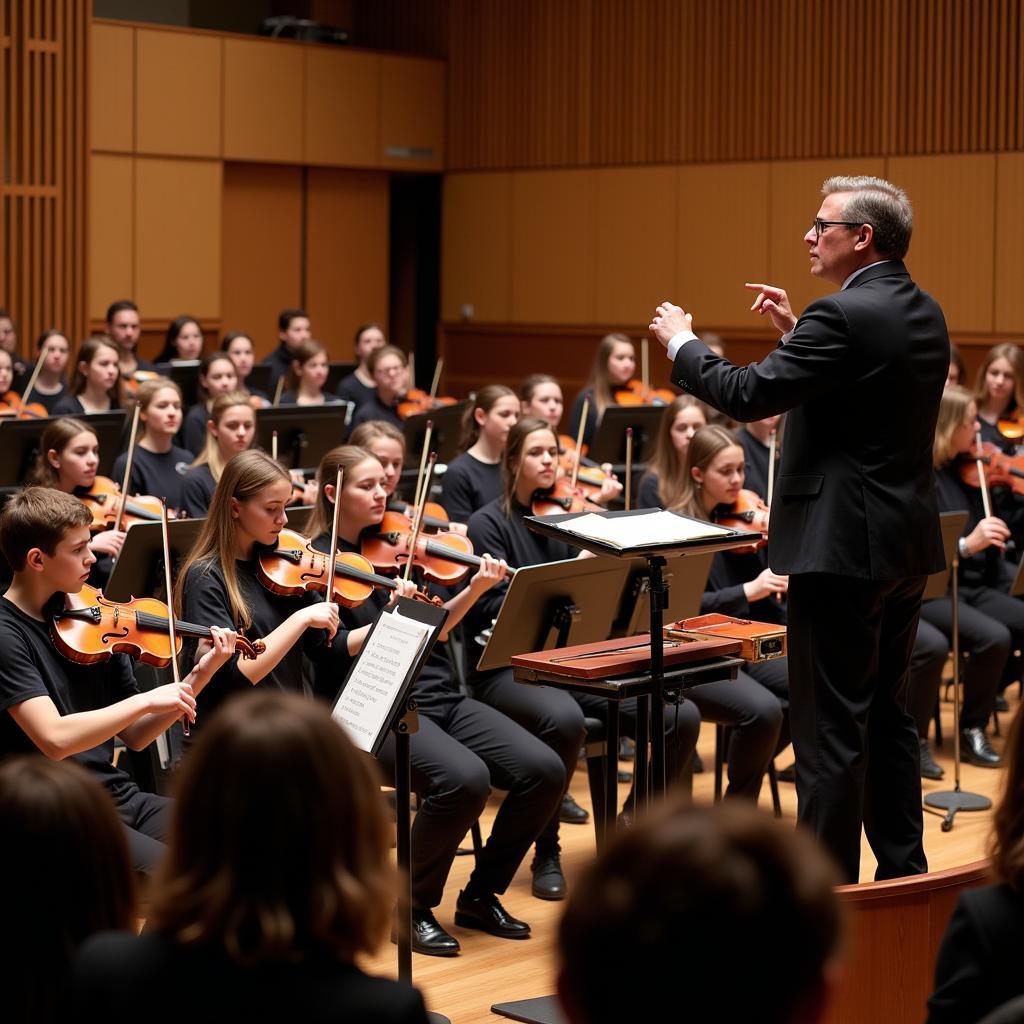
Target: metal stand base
x=953, y=800
x=540, y=1010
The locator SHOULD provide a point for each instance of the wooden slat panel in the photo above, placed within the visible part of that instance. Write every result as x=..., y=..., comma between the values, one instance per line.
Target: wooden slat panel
x=342, y=108
x=178, y=94
x=112, y=231
x=112, y=88
x=411, y=114
x=1009, y=243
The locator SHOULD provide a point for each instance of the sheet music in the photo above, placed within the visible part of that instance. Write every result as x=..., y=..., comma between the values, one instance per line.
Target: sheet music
x=635, y=531
x=383, y=666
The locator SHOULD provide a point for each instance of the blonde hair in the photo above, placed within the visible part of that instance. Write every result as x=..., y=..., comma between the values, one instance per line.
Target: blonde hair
x=704, y=446
x=372, y=430
x=1009, y=351
x=146, y=392
x=210, y=455
x=667, y=466
x=597, y=383
x=952, y=414
x=345, y=457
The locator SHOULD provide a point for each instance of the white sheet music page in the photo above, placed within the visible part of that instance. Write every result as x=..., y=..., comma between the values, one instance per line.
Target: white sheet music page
x=635, y=531
x=384, y=662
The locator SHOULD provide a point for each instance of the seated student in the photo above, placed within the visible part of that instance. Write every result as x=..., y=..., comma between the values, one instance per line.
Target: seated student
x=9, y=342
x=540, y=394
x=217, y=376
x=978, y=966
x=957, y=368
x=7, y=385
x=238, y=345
x=999, y=391
x=64, y=709
x=158, y=465
x=53, y=348
x=306, y=378
x=49, y=809
x=462, y=747
x=292, y=331
x=663, y=484
x=614, y=366
x=359, y=385
x=230, y=430
x=94, y=384
x=124, y=330
x=755, y=439
x=389, y=366
x=277, y=878
x=183, y=341
x=755, y=892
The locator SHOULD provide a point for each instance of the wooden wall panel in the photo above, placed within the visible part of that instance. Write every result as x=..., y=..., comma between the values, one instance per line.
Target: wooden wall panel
x=411, y=114
x=177, y=237
x=346, y=254
x=476, y=246
x=263, y=101
x=261, y=259
x=553, y=233
x=952, y=253
x=721, y=237
x=1009, y=243
x=342, y=110
x=178, y=85
x=112, y=88
x=635, y=250
x=112, y=231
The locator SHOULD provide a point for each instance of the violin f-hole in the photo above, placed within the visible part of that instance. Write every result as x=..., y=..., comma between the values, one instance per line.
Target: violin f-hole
x=114, y=634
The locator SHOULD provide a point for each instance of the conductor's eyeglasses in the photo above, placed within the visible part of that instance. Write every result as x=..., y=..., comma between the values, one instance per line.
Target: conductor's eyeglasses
x=820, y=225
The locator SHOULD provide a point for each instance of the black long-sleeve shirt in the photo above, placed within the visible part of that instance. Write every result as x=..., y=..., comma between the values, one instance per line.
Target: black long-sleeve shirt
x=161, y=474
x=467, y=485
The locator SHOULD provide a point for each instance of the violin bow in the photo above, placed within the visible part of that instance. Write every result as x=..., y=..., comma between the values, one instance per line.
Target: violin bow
x=985, y=499
x=772, y=442
x=579, y=442
x=278, y=390
x=436, y=381
x=171, y=634
x=329, y=593
x=127, y=470
x=644, y=369
x=418, y=519
x=427, y=435
x=273, y=445
x=629, y=464
x=35, y=373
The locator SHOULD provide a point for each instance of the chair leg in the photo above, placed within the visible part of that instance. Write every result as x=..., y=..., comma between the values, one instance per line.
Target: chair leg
x=478, y=841
x=938, y=723
x=773, y=782
x=720, y=740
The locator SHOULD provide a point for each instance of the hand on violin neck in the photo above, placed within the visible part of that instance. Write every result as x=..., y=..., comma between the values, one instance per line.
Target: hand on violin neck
x=211, y=655
x=403, y=588
x=990, y=532
x=491, y=572
x=610, y=488
x=107, y=542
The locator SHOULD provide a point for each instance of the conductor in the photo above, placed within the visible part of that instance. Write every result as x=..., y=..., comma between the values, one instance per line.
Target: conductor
x=854, y=521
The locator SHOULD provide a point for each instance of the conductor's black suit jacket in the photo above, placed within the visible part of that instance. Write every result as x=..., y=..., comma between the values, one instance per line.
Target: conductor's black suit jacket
x=862, y=373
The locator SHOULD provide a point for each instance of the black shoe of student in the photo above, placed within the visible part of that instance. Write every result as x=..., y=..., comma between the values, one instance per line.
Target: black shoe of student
x=696, y=764
x=787, y=774
x=571, y=813
x=488, y=915
x=1002, y=704
x=976, y=749
x=428, y=937
x=548, y=880
x=930, y=769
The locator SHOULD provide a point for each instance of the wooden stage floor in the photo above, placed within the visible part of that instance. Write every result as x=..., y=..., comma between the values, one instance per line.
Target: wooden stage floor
x=493, y=970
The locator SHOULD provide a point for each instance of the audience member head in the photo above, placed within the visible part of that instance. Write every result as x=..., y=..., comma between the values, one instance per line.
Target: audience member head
x=293, y=328
x=183, y=340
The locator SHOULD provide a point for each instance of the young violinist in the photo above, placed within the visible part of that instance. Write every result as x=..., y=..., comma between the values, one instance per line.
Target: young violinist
x=230, y=430
x=10, y=400
x=359, y=385
x=61, y=708
x=463, y=747
x=389, y=367
x=238, y=345
x=9, y=342
x=158, y=464
x=217, y=376
x=307, y=376
x=94, y=385
x=999, y=392
x=614, y=366
x=292, y=330
x=53, y=348
x=183, y=341
x=474, y=478
x=663, y=484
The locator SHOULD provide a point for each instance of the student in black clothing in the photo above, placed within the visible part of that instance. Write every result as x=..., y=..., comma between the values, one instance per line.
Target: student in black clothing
x=755, y=439
x=238, y=345
x=94, y=385
x=277, y=878
x=999, y=391
x=957, y=368
x=304, y=384
x=64, y=709
x=158, y=465
x=292, y=331
x=614, y=367
x=359, y=385
x=53, y=348
x=217, y=376
x=183, y=340
x=7, y=383
x=473, y=478
x=664, y=483
x=230, y=430
x=462, y=747
x=9, y=342
x=219, y=584
x=390, y=368
x=124, y=330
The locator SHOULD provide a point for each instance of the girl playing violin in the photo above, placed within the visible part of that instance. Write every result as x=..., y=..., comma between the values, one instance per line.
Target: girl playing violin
x=94, y=385
x=238, y=345
x=474, y=478
x=158, y=464
x=358, y=387
x=663, y=484
x=614, y=366
x=183, y=341
x=53, y=348
x=230, y=430
x=307, y=376
x=217, y=376
x=999, y=393
x=389, y=367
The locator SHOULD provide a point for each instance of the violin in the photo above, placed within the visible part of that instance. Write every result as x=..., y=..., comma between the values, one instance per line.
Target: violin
x=634, y=393
x=435, y=518
x=1003, y=470
x=747, y=512
x=295, y=566
x=589, y=479
x=104, y=498
x=12, y=405
x=560, y=498
x=93, y=628
x=417, y=401
x=1012, y=427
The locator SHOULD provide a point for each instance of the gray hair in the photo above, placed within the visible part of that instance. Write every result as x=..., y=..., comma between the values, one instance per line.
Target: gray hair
x=879, y=203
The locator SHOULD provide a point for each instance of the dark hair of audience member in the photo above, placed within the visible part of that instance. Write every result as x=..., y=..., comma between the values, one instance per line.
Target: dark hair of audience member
x=723, y=911
x=68, y=875
x=279, y=841
x=1006, y=845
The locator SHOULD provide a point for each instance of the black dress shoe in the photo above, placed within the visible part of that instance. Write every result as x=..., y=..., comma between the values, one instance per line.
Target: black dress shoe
x=976, y=749
x=787, y=774
x=488, y=915
x=428, y=937
x=548, y=880
x=930, y=769
x=571, y=813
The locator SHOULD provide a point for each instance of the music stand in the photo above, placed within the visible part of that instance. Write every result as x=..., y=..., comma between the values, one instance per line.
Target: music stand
x=336, y=372
x=305, y=433
x=139, y=569
x=19, y=442
x=444, y=438
x=184, y=373
x=260, y=377
x=683, y=599
x=609, y=444
x=938, y=585
x=1017, y=583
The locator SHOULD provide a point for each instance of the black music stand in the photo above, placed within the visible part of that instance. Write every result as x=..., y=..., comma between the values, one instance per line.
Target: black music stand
x=336, y=372
x=444, y=438
x=939, y=585
x=684, y=597
x=609, y=444
x=19, y=443
x=139, y=569
x=305, y=433
x=184, y=373
x=260, y=377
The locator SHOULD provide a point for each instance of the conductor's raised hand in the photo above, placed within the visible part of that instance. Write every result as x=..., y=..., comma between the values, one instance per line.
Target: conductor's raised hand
x=668, y=321
x=774, y=303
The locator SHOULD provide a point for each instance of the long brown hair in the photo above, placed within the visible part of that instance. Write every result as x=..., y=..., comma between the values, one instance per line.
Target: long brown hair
x=667, y=465
x=86, y=353
x=597, y=383
x=952, y=413
x=313, y=878
x=345, y=457
x=1006, y=844
x=704, y=446
x=56, y=437
x=1011, y=352
x=513, y=456
x=244, y=477
x=210, y=455
x=309, y=349
x=485, y=400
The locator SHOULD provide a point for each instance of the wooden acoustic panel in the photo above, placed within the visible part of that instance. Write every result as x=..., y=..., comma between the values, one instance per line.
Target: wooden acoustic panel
x=342, y=109
x=1009, y=243
x=112, y=231
x=112, y=88
x=411, y=114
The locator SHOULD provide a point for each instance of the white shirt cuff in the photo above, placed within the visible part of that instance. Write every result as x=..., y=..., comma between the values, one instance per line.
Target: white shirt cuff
x=678, y=341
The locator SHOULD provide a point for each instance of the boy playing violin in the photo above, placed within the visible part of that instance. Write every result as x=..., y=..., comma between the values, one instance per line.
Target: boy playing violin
x=63, y=709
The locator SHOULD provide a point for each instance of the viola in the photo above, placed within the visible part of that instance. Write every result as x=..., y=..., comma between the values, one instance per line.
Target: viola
x=435, y=517
x=295, y=566
x=747, y=512
x=12, y=405
x=130, y=384
x=634, y=393
x=1002, y=470
x=104, y=499
x=561, y=498
x=444, y=558
x=93, y=628
x=417, y=401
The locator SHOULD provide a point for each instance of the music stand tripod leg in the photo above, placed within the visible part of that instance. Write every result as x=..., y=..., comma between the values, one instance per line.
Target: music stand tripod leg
x=658, y=603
